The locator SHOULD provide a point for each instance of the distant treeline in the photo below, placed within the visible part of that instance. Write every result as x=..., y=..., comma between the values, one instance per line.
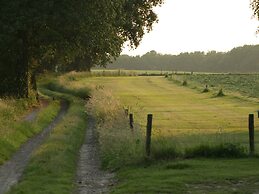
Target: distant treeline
x=241, y=59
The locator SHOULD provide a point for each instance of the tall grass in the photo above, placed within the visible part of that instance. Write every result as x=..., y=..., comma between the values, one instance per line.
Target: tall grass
x=81, y=93
x=217, y=145
x=119, y=145
x=74, y=76
x=12, y=110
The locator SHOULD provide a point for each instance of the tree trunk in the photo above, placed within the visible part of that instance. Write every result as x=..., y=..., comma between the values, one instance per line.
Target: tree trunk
x=34, y=85
x=15, y=74
x=24, y=74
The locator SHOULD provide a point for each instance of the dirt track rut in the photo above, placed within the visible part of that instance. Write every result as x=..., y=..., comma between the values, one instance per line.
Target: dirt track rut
x=90, y=178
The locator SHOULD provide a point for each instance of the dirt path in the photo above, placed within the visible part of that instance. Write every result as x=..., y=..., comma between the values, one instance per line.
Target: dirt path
x=90, y=179
x=11, y=171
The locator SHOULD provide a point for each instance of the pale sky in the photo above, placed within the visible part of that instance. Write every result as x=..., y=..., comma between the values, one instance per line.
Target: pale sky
x=200, y=25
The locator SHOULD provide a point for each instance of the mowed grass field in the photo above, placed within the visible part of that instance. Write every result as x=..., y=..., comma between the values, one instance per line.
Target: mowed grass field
x=183, y=117
x=242, y=84
x=179, y=111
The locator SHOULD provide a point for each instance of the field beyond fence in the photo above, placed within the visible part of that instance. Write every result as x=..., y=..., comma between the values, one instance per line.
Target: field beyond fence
x=183, y=118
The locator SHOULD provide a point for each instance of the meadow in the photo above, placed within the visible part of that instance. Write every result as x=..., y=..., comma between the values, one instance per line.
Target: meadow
x=198, y=140
x=180, y=112
x=236, y=84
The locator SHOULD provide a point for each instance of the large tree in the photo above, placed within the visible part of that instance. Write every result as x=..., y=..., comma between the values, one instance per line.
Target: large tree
x=255, y=7
x=37, y=34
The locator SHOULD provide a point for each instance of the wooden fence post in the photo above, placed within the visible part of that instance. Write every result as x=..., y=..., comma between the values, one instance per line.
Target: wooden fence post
x=131, y=120
x=149, y=132
x=251, y=133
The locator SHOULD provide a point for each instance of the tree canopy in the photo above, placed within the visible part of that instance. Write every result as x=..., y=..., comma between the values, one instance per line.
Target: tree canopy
x=75, y=35
x=255, y=7
x=243, y=59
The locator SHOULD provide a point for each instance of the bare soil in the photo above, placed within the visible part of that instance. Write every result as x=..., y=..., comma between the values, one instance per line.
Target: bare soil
x=90, y=178
x=12, y=170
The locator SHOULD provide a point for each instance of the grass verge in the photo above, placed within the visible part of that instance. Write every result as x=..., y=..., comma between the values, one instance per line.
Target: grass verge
x=221, y=176
x=119, y=145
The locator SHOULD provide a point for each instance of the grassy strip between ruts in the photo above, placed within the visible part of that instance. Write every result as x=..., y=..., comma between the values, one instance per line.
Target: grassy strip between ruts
x=18, y=132
x=52, y=167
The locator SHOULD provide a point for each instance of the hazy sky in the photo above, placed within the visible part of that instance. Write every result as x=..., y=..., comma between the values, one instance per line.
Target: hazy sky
x=200, y=25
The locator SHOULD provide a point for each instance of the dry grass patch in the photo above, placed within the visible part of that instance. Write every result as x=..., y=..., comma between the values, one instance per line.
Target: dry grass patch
x=119, y=145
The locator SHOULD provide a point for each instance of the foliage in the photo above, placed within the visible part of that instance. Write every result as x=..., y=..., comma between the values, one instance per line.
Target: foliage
x=240, y=59
x=38, y=35
x=255, y=7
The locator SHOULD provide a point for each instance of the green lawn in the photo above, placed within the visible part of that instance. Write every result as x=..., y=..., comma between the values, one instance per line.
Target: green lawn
x=180, y=111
